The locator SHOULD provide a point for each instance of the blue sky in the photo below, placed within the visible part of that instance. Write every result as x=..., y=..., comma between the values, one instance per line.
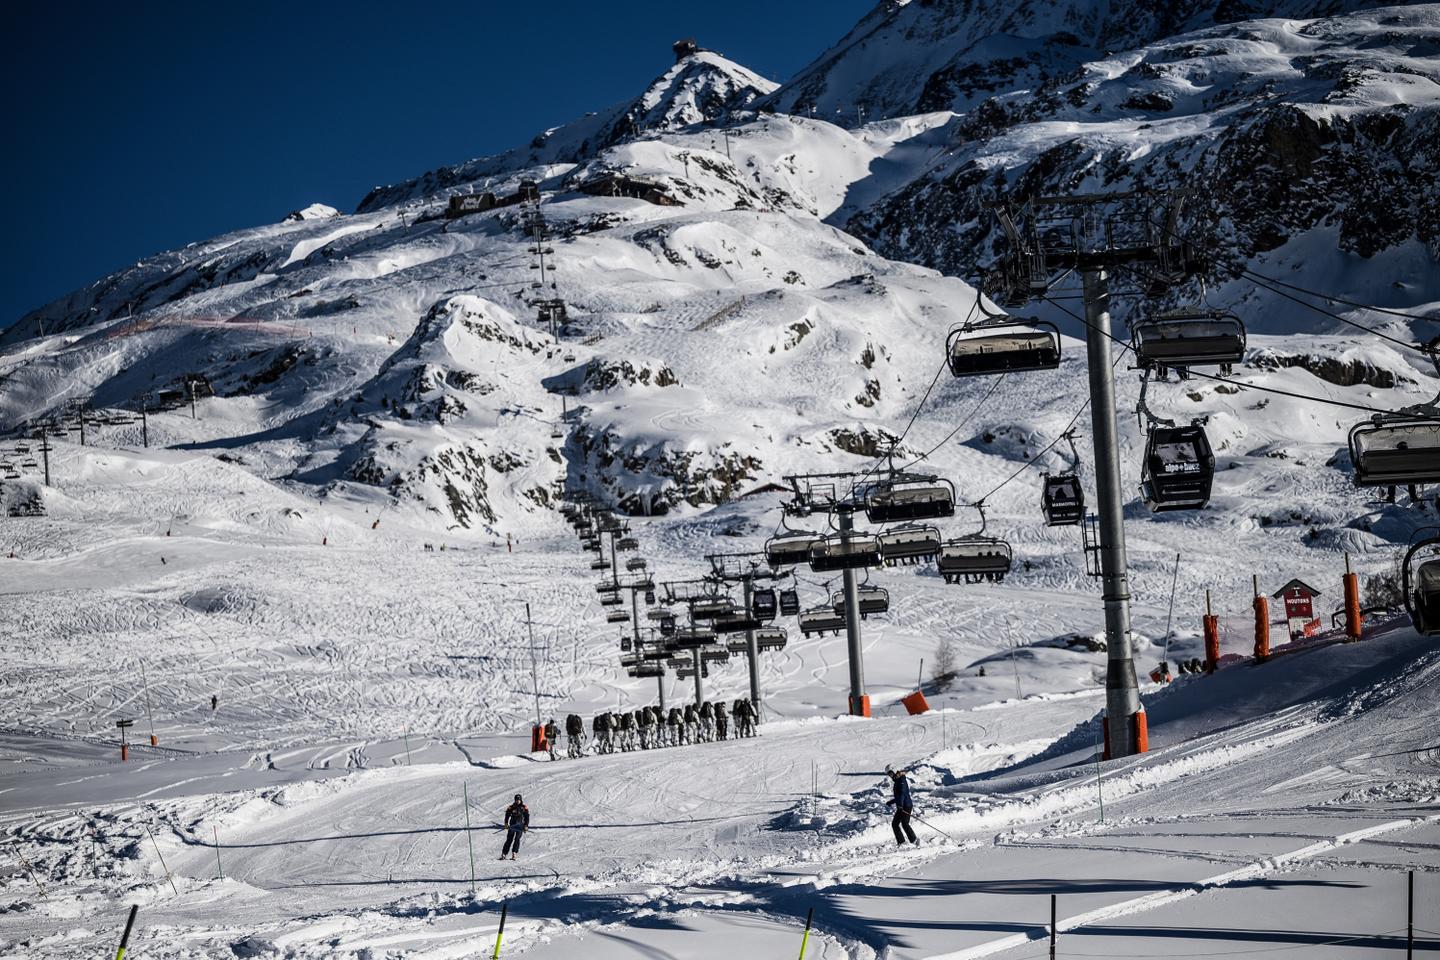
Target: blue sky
x=138, y=127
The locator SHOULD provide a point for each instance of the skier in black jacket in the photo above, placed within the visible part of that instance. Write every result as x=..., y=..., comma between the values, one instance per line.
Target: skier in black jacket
x=904, y=806
x=517, y=822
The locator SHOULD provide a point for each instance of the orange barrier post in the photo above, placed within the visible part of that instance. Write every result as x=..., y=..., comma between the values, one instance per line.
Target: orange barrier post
x=1212, y=637
x=1142, y=731
x=915, y=703
x=538, y=741
x=860, y=706
x=1262, y=624
x=1354, y=623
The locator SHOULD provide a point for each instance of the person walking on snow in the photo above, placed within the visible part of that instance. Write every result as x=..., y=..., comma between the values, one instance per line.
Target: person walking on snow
x=552, y=737
x=904, y=806
x=517, y=821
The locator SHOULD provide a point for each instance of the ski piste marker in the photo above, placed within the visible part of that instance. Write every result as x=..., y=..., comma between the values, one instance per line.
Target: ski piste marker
x=125, y=938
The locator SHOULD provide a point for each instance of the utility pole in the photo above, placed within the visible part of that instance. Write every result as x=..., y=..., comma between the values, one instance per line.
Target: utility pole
x=144, y=421
x=745, y=570
x=190, y=386
x=859, y=703
x=1122, y=691
x=534, y=671
x=752, y=649
x=699, y=681
x=45, y=454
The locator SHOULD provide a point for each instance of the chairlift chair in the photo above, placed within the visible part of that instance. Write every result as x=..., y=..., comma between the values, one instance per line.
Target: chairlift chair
x=901, y=498
x=738, y=646
x=648, y=670
x=911, y=543
x=635, y=563
x=763, y=604
x=22, y=448
x=1062, y=500
x=1395, y=450
x=1189, y=339
x=715, y=656
x=691, y=636
x=668, y=627
x=771, y=638
x=625, y=544
x=1421, y=585
x=710, y=607
x=789, y=603
x=870, y=600
x=617, y=616
x=791, y=547
x=29, y=464
x=1007, y=345
x=821, y=620
x=734, y=623
x=610, y=600
x=600, y=564
x=975, y=559
x=1179, y=469
x=658, y=614
x=625, y=647
x=833, y=553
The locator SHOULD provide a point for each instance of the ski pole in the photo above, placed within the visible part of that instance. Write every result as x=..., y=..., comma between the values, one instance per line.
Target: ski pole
x=125, y=938
x=935, y=828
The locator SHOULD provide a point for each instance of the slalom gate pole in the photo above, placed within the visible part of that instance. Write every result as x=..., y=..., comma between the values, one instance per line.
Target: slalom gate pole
x=219, y=868
x=125, y=937
x=469, y=840
x=504, y=909
x=1410, y=919
x=161, y=856
x=809, y=916
x=1052, y=926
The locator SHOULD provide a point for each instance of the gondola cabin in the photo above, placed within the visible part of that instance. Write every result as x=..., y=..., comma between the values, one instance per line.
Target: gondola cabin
x=1008, y=347
x=1063, y=500
x=763, y=604
x=909, y=544
x=975, y=560
x=1179, y=469
x=891, y=501
x=1395, y=451
x=1421, y=586
x=1189, y=340
x=789, y=603
x=790, y=548
x=834, y=553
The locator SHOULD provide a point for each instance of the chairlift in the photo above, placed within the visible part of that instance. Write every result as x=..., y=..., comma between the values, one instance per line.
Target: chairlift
x=708, y=608
x=789, y=603
x=738, y=646
x=771, y=638
x=1189, y=338
x=763, y=604
x=1003, y=345
x=668, y=627
x=835, y=553
x=610, y=600
x=22, y=448
x=911, y=543
x=12, y=474
x=635, y=563
x=1062, y=500
x=1179, y=468
x=556, y=433
x=736, y=622
x=648, y=670
x=649, y=597
x=715, y=656
x=909, y=497
x=692, y=636
x=975, y=559
x=1421, y=584
x=625, y=645
x=821, y=620
x=1395, y=450
x=791, y=547
x=617, y=616
x=658, y=614
x=654, y=654
x=626, y=544
x=870, y=600
x=29, y=464
x=600, y=564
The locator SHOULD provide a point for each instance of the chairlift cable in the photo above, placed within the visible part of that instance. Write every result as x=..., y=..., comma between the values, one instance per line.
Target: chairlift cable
x=1238, y=384
x=1255, y=279
x=1349, y=303
x=963, y=422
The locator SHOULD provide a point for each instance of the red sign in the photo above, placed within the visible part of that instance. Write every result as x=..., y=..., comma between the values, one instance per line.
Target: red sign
x=1298, y=607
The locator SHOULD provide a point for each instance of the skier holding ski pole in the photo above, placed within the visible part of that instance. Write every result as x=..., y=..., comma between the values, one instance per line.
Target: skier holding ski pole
x=904, y=806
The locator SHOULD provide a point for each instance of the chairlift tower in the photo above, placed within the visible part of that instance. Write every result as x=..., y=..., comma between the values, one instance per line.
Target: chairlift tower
x=1093, y=234
x=744, y=569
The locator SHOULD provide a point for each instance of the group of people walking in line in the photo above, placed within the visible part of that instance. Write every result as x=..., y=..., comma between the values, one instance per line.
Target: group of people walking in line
x=652, y=728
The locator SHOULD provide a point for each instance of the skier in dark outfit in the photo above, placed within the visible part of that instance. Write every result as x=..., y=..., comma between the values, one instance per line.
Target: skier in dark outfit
x=517, y=821
x=904, y=806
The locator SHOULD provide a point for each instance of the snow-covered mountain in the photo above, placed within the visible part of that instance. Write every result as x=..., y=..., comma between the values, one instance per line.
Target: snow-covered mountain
x=742, y=285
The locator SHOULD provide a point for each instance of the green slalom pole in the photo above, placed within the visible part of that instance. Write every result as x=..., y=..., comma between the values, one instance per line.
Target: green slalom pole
x=504, y=909
x=809, y=915
x=125, y=940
